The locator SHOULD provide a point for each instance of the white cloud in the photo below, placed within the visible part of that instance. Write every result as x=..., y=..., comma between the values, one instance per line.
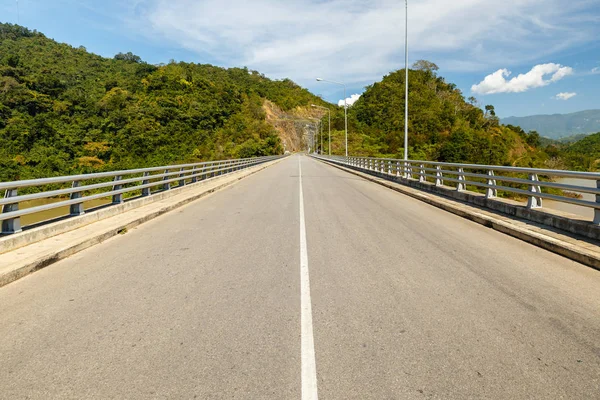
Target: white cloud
x=595, y=70
x=497, y=83
x=358, y=41
x=349, y=100
x=565, y=95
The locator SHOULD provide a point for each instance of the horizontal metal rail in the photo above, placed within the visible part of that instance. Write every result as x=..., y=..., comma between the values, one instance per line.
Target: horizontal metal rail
x=486, y=177
x=84, y=188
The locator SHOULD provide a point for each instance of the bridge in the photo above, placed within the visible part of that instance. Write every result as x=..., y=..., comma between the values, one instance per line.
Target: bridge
x=331, y=277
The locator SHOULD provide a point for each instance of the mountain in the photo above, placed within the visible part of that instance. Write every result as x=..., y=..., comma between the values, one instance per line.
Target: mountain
x=64, y=110
x=557, y=126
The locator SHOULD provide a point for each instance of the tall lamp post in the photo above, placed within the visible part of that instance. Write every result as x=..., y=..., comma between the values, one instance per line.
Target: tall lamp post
x=329, y=125
x=406, y=81
x=345, y=108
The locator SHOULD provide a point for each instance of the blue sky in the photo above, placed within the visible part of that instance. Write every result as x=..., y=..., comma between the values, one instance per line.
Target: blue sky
x=523, y=56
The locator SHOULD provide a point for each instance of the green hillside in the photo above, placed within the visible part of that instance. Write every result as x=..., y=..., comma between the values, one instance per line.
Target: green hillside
x=583, y=155
x=442, y=124
x=64, y=110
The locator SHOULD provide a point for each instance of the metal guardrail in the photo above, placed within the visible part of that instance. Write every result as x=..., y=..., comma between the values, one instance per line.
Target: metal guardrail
x=85, y=187
x=484, y=176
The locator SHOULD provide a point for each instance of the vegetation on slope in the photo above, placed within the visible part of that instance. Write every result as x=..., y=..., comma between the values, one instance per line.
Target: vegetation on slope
x=582, y=155
x=64, y=110
x=442, y=124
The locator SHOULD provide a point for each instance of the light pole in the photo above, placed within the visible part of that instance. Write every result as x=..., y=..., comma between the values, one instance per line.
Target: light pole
x=406, y=81
x=329, y=125
x=345, y=109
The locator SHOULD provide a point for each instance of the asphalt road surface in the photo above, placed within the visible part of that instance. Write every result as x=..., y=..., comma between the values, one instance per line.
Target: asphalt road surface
x=304, y=280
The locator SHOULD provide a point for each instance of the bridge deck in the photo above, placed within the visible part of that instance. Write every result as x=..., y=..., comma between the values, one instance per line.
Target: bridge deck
x=408, y=301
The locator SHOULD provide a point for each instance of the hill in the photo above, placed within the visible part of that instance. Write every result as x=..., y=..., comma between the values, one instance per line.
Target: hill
x=558, y=126
x=583, y=155
x=64, y=110
x=442, y=124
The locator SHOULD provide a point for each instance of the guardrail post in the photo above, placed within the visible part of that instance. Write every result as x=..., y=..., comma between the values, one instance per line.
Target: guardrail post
x=596, y=210
x=166, y=185
x=422, y=177
x=146, y=191
x=491, y=191
x=117, y=198
x=534, y=201
x=194, y=178
x=370, y=164
x=181, y=175
x=461, y=180
x=77, y=208
x=397, y=168
x=439, y=178
x=12, y=225
x=389, y=163
x=409, y=174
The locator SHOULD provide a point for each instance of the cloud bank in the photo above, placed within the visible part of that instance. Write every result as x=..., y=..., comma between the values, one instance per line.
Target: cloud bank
x=497, y=82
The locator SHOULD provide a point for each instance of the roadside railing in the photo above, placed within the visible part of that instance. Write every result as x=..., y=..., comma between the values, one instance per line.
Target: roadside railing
x=112, y=186
x=531, y=183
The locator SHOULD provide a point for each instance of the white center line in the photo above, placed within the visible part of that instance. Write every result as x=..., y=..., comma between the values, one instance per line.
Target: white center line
x=309, y=368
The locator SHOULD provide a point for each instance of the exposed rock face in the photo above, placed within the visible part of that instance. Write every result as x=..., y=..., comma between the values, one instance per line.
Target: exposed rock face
x=295, y=127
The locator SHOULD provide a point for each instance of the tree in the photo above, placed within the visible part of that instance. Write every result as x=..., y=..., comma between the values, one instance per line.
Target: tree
x=129, y=57
x=533, y=139
x=424, y=65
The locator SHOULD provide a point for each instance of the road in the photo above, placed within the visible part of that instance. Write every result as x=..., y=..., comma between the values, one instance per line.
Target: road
x=219, y=300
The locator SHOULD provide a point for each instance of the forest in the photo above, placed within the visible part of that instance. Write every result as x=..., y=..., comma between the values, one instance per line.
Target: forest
x=64, y=110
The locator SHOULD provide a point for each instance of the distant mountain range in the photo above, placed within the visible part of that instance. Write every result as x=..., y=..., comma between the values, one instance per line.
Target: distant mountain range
x=558, y=126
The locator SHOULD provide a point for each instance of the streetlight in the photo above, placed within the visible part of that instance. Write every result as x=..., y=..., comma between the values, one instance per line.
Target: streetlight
x=406, y=81
x=345, y=108
x=329, y=125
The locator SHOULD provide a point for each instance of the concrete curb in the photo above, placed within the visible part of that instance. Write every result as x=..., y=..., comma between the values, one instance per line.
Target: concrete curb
x=12, y=271
x=567, y=249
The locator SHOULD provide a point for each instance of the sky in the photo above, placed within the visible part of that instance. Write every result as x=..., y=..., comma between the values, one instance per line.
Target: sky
x=524, y=57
